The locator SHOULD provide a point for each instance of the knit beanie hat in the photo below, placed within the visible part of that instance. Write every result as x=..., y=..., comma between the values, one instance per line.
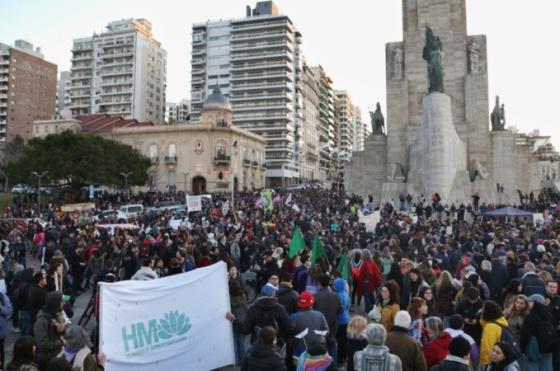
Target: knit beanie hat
x=376, y=334
x=459, y=347
x=402, y=319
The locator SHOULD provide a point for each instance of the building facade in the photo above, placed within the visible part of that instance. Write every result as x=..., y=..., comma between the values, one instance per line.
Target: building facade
x=309, y=168
x=121, y=71
x=256, y=60
x=63, y=92
x=327, y=122
x=27, y=89
x=177, y=112
x=210, y=156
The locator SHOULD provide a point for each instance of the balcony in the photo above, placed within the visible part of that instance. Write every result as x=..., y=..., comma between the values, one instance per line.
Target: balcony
x=3, y=96
x=246, y=162
x=245, y=26
x=260, y=35
x=170, y=160
x=116, y=82
x=255, y=164
x=248, y=56
x=262, y=45
x=154, y=159
x=221, y=160
x=198, y=61
x=260, y=86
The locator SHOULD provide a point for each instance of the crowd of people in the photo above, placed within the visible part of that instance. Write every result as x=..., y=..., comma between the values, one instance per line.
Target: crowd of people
x=430, y=287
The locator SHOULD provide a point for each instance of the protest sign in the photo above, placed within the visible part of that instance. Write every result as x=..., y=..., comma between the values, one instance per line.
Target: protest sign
x=167, y=323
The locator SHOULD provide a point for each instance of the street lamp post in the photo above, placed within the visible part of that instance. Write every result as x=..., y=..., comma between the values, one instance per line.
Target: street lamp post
x=233, y=145
x=126, y=175
x=39, y=176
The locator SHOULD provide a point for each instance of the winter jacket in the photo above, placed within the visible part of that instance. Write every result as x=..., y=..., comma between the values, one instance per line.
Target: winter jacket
x=407, y=349
x=436, y=350
x=5, y=311
x=353, y=346
x=471, y=311
x=265, y=311
x=328, y=303
x=379, y=356
x=287, y=298
x=340, y=288
x=48, y=340
x=500, y=278
x=262, y=357
x=388, y=313
x=491, y=334
x=513, y=366
x=534, y=322
x=370, y=277
x=452, y=363
x=312, y=321
x=532, y=284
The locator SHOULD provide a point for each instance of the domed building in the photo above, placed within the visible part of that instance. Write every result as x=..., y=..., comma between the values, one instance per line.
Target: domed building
x=210, y=156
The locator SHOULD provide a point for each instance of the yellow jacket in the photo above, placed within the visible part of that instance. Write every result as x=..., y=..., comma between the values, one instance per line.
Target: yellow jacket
x=388, y=315
x=491, y=334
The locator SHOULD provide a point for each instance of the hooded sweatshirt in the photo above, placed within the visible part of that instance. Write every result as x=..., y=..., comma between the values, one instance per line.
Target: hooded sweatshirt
x=340, y=288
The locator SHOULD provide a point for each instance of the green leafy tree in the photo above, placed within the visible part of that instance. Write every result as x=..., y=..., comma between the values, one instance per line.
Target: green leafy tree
x=79, y=160
x=13, y=151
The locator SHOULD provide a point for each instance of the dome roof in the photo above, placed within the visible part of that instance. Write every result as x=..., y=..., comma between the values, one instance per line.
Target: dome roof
x=216, y=100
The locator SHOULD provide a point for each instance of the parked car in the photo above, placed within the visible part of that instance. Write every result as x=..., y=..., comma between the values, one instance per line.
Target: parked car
x=164, y=206
x=130, y=210
x=19, y=188
x=111, y=217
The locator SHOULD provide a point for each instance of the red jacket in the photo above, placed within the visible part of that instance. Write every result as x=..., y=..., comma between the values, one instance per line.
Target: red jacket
x=369, y=272
x=436, y=350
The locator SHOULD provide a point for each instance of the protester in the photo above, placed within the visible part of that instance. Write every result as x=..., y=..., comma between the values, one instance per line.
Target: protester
x=493, y=322
x=503, y=358
x=356, y=339
x=388, y=303
x=403, y=346
x=24, y=355
x=375, y=355
x=538, y=335
x=437, y=348
x=329, y=303
x=78, y=352
x=458, y=357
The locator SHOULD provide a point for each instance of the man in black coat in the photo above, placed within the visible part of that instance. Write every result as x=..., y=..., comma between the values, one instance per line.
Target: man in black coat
x=287, y=296
x=36, y=295
x=262, y=356
x=328, y=302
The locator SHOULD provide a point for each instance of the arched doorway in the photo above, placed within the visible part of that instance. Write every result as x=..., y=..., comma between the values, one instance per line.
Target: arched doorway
x=198, y=185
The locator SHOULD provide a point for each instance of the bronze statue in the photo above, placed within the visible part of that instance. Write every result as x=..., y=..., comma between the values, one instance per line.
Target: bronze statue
x=498, y=116
x=432, y=54
x=377, y=121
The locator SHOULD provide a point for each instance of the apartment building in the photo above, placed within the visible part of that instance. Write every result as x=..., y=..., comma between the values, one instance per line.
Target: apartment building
x=177, y=112
x=309, y=164
x=256, y=61
x=327, y=129
x=27, y=89
x=360, y=130
x=346, y=124
x=63, y=92
x=121, y=71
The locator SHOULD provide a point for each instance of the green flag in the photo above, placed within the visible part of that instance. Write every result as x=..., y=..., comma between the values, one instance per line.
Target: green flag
x=296, y=243
x=343, y=267
x=268, y=205
x=318, y=250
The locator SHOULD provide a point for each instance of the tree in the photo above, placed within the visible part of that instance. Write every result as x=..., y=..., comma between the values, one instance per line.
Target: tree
x=13, y=151
x=80, y=160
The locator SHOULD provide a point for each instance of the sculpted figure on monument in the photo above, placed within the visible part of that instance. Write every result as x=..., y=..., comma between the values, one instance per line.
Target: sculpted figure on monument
x=397, y=64
x=498, y=116
x=474, y=56
x=396, y=172
x=432, y=54
x=477, y=170
x=377, y=121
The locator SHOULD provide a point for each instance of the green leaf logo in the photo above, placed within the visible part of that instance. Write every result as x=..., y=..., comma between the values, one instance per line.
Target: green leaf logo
x=173, y=324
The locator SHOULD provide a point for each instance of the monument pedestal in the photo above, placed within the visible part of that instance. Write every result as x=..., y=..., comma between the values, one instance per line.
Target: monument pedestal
x=438, y=156
x=392, y=191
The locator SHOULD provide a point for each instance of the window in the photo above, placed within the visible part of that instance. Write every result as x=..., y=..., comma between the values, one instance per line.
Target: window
x=172, y=150
x=153, y=150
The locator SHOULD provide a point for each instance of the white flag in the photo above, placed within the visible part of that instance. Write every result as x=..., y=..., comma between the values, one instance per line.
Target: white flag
x=296, y=208
x=288, y=200
x=225, y=208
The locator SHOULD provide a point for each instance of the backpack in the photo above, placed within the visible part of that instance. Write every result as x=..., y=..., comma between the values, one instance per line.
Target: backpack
x=546, y=337
x=507, y=337
x=264, y=318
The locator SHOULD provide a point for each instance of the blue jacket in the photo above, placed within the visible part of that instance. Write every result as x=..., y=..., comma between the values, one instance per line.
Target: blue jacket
x=532, y=284
x=5, y=312
x=344, y=317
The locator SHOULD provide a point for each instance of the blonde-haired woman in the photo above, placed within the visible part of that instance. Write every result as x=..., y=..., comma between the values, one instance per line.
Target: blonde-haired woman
x=355, y=339
x=516, y=314
x=444, y=291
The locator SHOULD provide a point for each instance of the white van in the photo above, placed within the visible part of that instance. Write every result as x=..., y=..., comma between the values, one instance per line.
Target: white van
x=130, y=210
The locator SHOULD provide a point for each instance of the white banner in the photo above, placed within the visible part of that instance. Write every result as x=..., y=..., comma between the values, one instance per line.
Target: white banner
x=370, y=220
x=171, y=323
x=194, y=203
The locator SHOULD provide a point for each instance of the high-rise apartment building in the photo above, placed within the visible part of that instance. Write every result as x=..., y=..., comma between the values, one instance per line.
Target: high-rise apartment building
x=121, y=71
x=256, y=61
x=327, y=129
x=309, y=168
x=63, y=92
x=177, y=112
x=27, y=89
x=359, y=134
x=346, y=124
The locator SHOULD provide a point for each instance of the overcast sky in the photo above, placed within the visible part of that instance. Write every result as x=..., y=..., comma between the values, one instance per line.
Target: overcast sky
x=346, y=37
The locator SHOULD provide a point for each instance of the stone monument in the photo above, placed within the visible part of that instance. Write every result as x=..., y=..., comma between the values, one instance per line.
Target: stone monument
x=439, y=140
